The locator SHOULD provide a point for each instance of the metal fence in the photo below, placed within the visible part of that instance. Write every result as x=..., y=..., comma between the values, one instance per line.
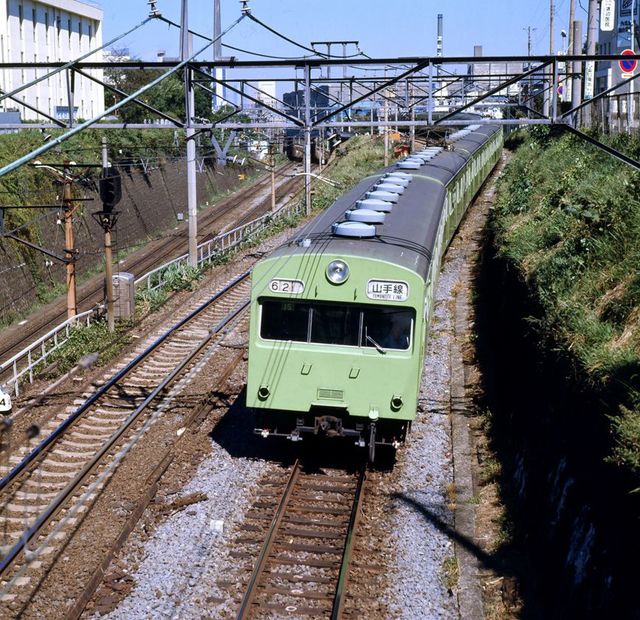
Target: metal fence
x=22, y=365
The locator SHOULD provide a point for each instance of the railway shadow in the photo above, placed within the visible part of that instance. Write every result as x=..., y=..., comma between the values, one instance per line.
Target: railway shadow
x=495, y=561
x=234, y=433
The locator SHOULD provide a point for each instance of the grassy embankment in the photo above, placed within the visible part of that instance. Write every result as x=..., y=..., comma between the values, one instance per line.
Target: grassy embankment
x=567, y=218
x=361, y=157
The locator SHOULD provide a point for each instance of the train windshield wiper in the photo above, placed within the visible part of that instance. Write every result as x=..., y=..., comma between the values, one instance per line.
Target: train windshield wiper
x=375, y=344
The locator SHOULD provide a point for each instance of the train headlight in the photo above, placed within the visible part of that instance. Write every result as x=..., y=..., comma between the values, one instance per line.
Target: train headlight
x=337, y=272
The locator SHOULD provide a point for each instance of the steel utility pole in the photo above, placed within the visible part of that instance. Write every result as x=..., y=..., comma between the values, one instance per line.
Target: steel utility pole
x=192, y=198
x=272, y=165
x=69, y=249
x=108, y=257
x=307, y=139
x=386, y=130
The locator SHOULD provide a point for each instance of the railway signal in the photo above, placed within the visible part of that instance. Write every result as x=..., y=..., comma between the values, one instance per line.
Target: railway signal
x=110, y=195
x=110, y=189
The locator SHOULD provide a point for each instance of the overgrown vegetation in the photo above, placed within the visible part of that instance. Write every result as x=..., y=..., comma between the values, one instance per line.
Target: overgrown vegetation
x=360, y=157
x=84, y=340
x=567, y=218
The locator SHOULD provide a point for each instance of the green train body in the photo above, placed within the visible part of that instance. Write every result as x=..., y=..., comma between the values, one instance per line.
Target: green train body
x=345, y=358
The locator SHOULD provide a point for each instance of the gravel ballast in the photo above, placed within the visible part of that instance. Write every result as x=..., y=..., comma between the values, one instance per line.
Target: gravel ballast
x=177, y=566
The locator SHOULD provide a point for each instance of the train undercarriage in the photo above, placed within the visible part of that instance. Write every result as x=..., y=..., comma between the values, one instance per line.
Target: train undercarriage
x=332, y=423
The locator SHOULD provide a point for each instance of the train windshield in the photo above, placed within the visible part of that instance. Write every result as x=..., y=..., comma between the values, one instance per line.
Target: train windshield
x=382, y=327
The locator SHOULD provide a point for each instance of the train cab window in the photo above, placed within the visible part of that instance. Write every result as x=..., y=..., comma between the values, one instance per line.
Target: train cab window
x=382, y=327
x=387, y=328
x=331, y=324
x=282, y=320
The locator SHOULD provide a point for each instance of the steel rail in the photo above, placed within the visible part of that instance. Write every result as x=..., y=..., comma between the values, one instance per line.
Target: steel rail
x=338, y=601
x=53, y=507
x=250, y=593
x=29, y=458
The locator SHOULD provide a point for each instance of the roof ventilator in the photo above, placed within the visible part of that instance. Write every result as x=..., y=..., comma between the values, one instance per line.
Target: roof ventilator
x=356, y=230
x=386, y=196
x=374, y=204
x=408, y=165
x=389, y=187
x=367, y=216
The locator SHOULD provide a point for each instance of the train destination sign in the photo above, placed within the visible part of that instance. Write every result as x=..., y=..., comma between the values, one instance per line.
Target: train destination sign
x=388, y=290
x=280, y=285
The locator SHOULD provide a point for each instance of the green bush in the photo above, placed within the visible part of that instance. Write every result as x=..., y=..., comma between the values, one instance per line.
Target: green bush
x=567, y=217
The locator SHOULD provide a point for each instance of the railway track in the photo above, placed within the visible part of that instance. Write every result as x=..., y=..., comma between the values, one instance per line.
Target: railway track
x=170, y=246
x=303, y=528
x=45, y=491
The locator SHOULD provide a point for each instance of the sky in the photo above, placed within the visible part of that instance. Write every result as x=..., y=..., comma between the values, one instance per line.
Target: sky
x=383, y=28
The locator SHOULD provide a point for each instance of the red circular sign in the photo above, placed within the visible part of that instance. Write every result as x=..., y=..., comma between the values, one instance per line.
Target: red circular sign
x=628, y=66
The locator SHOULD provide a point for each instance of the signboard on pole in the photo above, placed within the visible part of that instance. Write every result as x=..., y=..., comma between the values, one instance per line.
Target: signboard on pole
x=589, y=79
x=607, y=15
x=628, y=66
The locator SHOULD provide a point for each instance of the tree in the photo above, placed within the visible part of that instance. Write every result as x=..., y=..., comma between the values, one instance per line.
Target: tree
x=167, y=96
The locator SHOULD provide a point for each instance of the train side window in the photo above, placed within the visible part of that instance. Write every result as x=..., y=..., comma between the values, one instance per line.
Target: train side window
x=331, y=324
x=389, y=328
x=284, y=320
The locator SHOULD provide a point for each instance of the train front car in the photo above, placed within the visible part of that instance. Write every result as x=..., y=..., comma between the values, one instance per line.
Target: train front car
x=339, y=315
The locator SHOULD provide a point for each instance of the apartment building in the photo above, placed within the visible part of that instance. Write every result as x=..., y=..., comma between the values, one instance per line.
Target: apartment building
x=34, y=31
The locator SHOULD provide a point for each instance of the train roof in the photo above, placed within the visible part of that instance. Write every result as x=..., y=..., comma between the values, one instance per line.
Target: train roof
x=408, y=234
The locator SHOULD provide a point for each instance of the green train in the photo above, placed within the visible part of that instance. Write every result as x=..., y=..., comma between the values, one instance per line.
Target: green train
x=340, y=313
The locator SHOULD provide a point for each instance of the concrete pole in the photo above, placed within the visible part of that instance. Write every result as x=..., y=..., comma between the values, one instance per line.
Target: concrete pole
x=547, y=94
x=192, y=199
x=576, y=82
x=592, y=38
x=69, y=242
x=307, y=139
x=632, y=83
x=108, y=256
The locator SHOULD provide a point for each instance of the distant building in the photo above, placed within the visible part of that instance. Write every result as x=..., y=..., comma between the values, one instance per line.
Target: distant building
x=267, y=92
x=296, y=104
x=485, y=76
x=608, y=73
x=50, y=31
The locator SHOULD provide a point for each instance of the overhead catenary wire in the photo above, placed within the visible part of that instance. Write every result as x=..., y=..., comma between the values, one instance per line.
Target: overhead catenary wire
x=275, y=57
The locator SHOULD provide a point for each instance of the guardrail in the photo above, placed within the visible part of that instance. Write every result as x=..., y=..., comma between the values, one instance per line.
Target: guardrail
x=216, y=247
x=38, y=351
x=22, y=364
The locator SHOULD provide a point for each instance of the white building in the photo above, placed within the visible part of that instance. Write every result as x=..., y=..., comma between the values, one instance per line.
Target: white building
x=267, y=92
x=50, y=31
